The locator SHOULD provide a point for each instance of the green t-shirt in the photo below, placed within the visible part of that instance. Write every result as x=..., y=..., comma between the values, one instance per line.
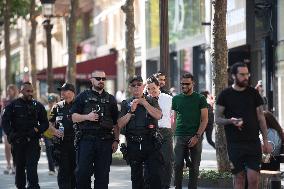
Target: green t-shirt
x=188, y=111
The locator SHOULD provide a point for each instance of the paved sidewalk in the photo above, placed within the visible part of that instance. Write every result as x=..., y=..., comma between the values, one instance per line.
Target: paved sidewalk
x=119, y=175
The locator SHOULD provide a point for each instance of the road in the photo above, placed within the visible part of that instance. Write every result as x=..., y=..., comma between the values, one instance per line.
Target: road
x=119, y=175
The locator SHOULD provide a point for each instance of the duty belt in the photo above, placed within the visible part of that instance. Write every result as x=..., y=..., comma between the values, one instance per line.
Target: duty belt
x=104, y=135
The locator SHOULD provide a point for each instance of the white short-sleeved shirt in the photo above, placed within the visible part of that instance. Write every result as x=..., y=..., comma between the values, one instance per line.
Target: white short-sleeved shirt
x=165, y=103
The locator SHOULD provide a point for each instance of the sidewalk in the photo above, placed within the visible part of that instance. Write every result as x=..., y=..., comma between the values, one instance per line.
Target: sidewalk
x=119, y=175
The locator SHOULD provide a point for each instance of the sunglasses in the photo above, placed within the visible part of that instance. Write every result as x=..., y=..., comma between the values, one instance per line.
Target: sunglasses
x=100, y=78
x=185, y=83
x=137, y=84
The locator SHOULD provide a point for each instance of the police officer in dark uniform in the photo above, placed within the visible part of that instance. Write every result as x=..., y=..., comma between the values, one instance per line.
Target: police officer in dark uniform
x=139, y=115
x=24, y=120
x=64, y=151
x=96, y=113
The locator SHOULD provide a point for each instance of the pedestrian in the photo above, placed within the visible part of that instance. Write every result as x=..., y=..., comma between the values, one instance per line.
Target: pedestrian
x=239, y=109
x=63, y=140
x=259, y=88
x=52, y=99
x=96, y=113
x=161, y=77
x=165, y=128
x=12, y=94
x=191, y=117
x=139, y=115
x=210, y=124
x=24, y=120
x=275, y=137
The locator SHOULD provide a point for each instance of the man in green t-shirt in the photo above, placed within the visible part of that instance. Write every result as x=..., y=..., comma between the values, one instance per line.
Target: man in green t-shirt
x=190, y=121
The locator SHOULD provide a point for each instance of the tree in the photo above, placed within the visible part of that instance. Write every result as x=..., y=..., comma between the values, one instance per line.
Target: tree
x=11, y=10
x=71, y=68
x=128, y=9
x=220, y=78
x=32, y=42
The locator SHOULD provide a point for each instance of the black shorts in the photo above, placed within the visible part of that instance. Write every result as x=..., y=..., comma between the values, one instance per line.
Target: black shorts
x=244, y=155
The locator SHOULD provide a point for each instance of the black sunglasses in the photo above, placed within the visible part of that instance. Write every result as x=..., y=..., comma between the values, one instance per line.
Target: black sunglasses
x=137, y=84
x=185, y=83
x=100, y=78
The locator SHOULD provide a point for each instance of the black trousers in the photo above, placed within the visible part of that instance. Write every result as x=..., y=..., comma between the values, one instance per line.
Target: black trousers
x=26, y=155
x=67, y=165
x=144, y=153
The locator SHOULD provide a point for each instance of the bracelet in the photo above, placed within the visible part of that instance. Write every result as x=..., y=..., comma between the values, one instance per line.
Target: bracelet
x=129, y=111
x=116, y=140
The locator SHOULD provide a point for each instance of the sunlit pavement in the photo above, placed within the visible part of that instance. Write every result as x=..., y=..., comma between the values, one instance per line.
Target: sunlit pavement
x=119, y=175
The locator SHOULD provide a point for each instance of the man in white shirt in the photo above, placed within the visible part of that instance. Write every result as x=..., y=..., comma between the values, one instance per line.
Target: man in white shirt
x=165, y=103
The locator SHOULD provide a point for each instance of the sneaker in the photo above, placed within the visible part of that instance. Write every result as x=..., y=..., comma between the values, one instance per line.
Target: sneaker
x=7, y=171
x=51, y=173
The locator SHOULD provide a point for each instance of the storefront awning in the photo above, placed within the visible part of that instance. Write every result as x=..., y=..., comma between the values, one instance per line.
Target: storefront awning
x=84, y=69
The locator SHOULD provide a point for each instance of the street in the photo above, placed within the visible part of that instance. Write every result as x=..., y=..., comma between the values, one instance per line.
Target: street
x=119, y=175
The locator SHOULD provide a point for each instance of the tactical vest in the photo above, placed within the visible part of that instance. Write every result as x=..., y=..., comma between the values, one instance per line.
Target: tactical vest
x=101, y=105
x=132, y=126
x=25, y=115
x=63, y=115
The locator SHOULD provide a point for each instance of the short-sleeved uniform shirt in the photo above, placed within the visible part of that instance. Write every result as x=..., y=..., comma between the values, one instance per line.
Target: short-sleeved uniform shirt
x=241, y=104
x=188, y=112
x=80, y=100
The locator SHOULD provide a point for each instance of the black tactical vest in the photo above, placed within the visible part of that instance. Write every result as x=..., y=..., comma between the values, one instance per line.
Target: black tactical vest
x=139, y=123
x=25, y=115
x=63, y=115
x=101, y=105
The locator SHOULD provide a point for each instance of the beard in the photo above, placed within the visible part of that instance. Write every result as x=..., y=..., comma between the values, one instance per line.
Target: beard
x=242, y=84
x=99, y=87
x=185, y=90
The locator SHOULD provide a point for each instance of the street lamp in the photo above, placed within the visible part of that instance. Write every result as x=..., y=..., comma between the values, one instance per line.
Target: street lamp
x=48, y=12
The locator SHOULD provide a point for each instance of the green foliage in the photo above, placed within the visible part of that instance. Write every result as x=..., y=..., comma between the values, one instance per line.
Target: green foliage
x=19, y=8
x=117, y=155
x=214, y=174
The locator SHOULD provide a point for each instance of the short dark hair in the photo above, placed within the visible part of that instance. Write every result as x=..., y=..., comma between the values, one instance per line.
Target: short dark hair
x=187, y=75
x=160, y=73
x=235, y=66
x=25, y=83
x=152, y=79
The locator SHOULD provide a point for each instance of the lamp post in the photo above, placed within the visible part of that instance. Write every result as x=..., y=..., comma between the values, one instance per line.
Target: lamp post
x=48, y=11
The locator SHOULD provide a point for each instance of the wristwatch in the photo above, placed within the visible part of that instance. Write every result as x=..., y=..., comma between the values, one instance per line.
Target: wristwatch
x=129, y=111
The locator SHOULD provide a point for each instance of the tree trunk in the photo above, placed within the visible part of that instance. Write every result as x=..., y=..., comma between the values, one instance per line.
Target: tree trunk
x=32, y=41
x=128, y=9
x=164, y=40
x=71, y=68
x=220, y=78
x=7, y=10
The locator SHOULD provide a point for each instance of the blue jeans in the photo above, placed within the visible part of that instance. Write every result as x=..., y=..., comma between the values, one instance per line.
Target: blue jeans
x=181, y=146
x=94, y=156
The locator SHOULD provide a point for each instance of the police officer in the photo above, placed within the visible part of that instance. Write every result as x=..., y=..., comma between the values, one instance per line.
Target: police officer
x=24, y=120
x=96, y=113
x=139, y=115
x=64, y=150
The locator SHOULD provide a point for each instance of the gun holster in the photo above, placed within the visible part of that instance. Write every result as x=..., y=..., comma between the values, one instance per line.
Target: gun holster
x=123, y=149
